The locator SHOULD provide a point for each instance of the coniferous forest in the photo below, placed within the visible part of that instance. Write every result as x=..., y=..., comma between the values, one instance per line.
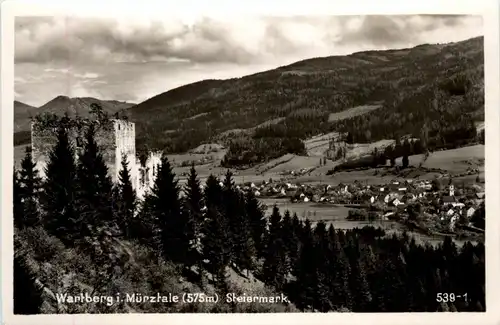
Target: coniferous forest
x=76, y=231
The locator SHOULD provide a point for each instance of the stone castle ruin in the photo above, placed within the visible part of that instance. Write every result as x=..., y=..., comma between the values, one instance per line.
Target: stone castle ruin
x=114, y=137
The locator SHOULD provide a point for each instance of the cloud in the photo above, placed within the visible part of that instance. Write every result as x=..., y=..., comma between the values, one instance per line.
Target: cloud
x=87, y=75
x=400, y=30
x=242, y=40
x=134, y=60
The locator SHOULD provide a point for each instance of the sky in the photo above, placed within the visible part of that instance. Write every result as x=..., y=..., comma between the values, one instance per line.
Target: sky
x=132, y=60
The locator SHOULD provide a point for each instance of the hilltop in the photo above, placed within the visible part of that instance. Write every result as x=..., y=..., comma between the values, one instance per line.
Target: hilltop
x=22, y=114
x=59, y=106
x=440, y=85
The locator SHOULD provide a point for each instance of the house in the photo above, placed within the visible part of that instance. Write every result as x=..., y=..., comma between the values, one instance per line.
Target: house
x=396, y=202
x=382, y=189
x=402, y=189
x=448, y=200
x=409, y=197
x=470, y=212
x=372, y=199
x=257, y=193
x=450, y=212
x=480, y=195
x=306, y=199
x=458, y=204
x=391, y=196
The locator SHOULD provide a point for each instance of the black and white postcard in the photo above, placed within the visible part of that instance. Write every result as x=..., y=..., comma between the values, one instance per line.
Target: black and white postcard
x=260, y=163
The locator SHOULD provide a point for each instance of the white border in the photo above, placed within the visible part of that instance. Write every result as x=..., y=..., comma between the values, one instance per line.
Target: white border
x=488, y=8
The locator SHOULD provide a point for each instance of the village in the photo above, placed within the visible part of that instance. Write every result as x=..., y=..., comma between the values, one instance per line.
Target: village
x=419, y=204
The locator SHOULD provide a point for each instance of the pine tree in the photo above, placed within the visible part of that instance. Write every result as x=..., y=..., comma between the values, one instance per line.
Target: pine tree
x=274, y=224
x=193, y=207
x=305, y=283
x=321, y=273
x=339, y=271
x=95, y=197
x=18, y=203
x=127, y=199
x=244, y=246
x=146, y=226
x=166, y=208
x=360, y=288
x=231, y=213
x=290, y=238
x=213, y=192
x=274, y=268
x=214, y=246
x=27, y=297
x=59, y=191
x=30, y=183
x=257, y=222
x=405, y=161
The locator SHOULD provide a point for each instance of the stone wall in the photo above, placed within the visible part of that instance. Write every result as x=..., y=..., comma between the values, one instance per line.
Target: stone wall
x=112, y=139
x=147, y=173
x=42, y=141
x=124, y=135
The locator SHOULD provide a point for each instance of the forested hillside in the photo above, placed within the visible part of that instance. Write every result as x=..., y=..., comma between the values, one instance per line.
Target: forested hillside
x=436, y=89
x=78, y=232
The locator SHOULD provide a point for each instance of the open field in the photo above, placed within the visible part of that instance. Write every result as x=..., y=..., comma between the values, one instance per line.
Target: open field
x=454, y=161
x=318, y=145
x=336, y=215
x=352, y=112
x=359, y=150
x=457, y=160
x=296, y=163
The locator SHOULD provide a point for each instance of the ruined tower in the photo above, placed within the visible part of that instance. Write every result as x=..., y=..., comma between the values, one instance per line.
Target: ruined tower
x=114, y=137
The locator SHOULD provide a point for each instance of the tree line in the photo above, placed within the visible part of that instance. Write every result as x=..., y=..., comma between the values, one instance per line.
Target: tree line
x=209, y=229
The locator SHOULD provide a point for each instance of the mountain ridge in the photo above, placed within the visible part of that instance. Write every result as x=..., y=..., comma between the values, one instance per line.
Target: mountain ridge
x=314, y=88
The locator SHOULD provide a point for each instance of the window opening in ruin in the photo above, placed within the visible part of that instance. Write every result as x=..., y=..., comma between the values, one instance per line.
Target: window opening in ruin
x=147, y=176
x=118, y=127
x=143, y=176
